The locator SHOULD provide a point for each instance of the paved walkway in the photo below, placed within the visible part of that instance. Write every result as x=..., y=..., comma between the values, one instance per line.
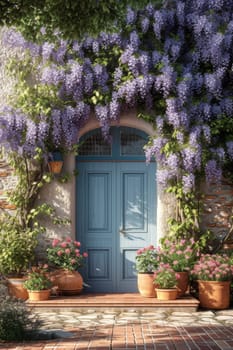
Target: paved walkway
x=133, y=329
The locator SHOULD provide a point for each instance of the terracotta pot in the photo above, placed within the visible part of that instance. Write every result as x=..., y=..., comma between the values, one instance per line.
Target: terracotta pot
x=146, y=286
x=16, y=288
x=167, y=294
x=214, y=294
x=68, y=282
x=182, y=282
x=38, y=295
x=55, y=167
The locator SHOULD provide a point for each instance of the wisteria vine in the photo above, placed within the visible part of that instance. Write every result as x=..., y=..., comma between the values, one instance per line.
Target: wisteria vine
x=174, y=62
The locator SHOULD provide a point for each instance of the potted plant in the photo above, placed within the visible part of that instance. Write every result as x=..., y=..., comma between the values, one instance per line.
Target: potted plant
x=165, y=279
x=17, y=252
x=38, y=285
x=55, y=162
x=181, y=256
x=213, y=274
x=146, y=263
x=65, y=254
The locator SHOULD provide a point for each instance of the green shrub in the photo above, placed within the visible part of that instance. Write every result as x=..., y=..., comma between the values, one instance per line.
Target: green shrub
x=17, y=246
x=16, y=320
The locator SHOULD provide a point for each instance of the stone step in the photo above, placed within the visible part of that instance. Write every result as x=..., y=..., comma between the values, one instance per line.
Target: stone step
x=119, y=301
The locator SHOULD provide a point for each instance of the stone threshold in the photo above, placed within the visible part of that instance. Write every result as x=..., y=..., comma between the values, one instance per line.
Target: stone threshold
x=119, y=301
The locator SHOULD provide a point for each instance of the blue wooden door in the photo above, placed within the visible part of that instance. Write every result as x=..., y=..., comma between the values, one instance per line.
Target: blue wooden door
x=115, y=214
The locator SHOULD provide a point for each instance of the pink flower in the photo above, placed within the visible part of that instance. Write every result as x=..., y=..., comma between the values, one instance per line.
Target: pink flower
x=55, y=242
x=60, y=252
x=73, y=261
x=175, y=262
x=68, y=239
x=188, y=250
x=63, y=245
x=85, y=254
x=77, y=251
x=77, y=244
x=67, y=251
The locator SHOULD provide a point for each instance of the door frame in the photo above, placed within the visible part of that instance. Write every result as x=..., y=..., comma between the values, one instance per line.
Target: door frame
x=116, y=157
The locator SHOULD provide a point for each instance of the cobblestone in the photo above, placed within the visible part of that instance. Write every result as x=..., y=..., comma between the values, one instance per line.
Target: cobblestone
x=196, y=318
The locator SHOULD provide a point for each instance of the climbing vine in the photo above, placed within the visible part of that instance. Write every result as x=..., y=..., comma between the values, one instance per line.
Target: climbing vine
x=171, y=62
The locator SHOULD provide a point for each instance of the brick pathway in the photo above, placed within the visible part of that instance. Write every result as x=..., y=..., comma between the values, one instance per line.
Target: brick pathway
x=133, y=329
x=138, y=336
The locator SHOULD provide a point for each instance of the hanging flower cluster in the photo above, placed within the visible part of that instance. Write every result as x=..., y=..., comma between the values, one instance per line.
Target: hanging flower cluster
x=174, y=62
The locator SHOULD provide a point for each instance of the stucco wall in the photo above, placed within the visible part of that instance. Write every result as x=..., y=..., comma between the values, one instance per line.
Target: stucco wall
x=6, y=82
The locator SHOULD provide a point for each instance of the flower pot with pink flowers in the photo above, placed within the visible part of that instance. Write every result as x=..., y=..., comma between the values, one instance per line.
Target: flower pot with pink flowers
x=213, y=273
x=65, y=254
x=165, y=280
x=180, y=255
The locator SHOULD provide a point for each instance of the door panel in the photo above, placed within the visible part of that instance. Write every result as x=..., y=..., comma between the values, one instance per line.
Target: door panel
x=98, y=264
x=133, y=201
x=95, y=222
x=99, y=201
x=115, y=217
x=135, y=230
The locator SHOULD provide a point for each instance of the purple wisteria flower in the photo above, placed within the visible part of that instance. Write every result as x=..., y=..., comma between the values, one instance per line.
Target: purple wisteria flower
x=158, y=23
x=155, y=150
x=145, y=22
x=188, y=182
x=134, y=40
x=52, y=75
x=163, y=177
x=56, y=128
x=114, y=109
x=130, y=16
x=174, y=61
x=47, y=50
x=213, y=172
x=102, y=113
